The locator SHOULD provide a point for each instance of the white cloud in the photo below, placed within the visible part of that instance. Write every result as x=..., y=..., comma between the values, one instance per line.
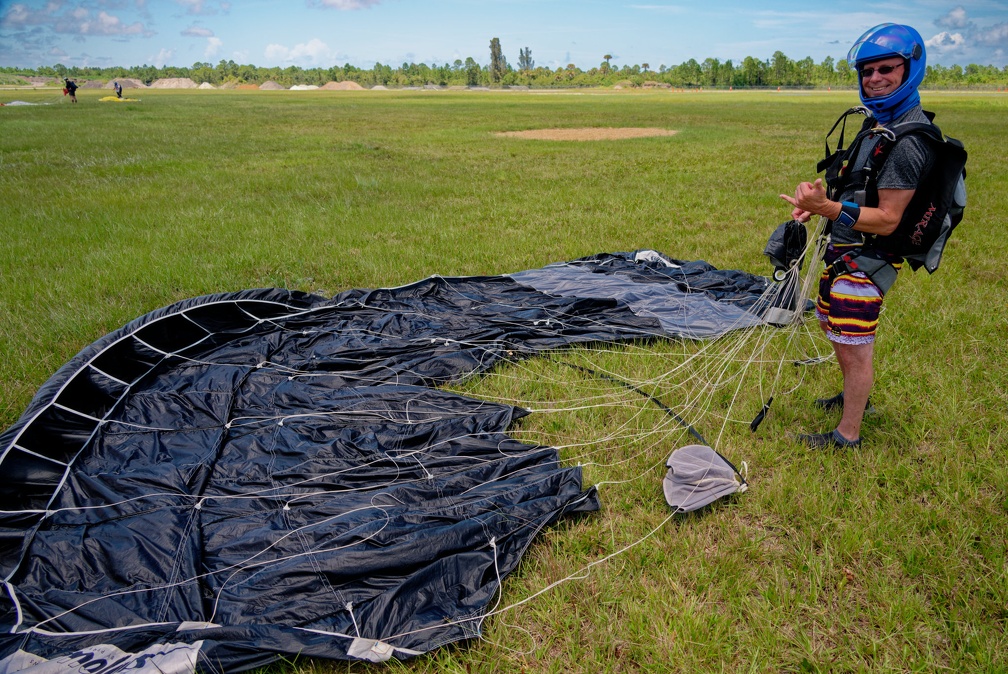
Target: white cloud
x=17, y=15
x=662, y=9
x=163, y=57
x=313, y=52
x=106, y=24
x=214, y=45
x=996, y=35
x=76, y=21
x=348, y=4
x=955, y=19
x=204, y=7
x=946, y=41
x=197, y=31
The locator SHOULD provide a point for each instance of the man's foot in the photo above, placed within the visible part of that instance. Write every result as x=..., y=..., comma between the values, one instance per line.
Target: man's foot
x=831, y=440
x=836, y=402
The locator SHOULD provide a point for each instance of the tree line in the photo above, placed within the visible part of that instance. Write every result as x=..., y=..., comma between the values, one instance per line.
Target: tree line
x=777, y=71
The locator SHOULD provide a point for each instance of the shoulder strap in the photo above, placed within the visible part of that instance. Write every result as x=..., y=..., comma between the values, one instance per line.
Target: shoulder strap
x=920, y=128
x=830, y=156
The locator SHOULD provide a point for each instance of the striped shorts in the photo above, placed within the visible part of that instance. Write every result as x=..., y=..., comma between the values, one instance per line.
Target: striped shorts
x=849, y=308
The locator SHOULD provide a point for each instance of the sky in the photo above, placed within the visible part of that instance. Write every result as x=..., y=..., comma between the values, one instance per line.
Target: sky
x=324, y=33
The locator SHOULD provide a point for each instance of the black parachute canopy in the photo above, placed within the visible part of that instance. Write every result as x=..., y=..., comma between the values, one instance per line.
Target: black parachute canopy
x=246, y=475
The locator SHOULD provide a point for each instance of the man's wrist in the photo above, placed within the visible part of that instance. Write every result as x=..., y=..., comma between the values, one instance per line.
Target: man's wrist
x=849, y=213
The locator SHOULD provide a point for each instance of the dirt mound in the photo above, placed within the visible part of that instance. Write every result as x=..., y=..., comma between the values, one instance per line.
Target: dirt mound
x=271, y=86
x=90, y=84
x=126, y=83
x=207, y=85
x=342, y=86
x=173, y=83
x=591, y=133
x=304, y=87
x=247, y=87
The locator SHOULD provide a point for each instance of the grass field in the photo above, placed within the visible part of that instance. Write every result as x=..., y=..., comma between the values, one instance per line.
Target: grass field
x=892, y=558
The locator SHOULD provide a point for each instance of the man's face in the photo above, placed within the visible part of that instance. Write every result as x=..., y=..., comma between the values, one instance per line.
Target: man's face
x=878, y=84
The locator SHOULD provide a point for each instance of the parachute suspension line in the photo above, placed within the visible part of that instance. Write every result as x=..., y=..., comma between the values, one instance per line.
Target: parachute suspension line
x=817, y=247
x=12, y=593
x=500, y=581
x=665, y=408
x=353, y=618
x=580, y=574
x=585, y=571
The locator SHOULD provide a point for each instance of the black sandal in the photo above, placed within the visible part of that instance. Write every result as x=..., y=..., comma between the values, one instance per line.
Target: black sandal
x=831, y=440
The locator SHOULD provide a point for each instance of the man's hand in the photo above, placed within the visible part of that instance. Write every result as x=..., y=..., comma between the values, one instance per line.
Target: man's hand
x=810, y=199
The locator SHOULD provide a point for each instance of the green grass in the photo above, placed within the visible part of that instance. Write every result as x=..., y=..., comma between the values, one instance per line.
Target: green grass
x=888, y=559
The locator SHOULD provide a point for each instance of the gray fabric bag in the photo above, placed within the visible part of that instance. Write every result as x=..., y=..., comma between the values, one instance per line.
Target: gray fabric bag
x=697, y=476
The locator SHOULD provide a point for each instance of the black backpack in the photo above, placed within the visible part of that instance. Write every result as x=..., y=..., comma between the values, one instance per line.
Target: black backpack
x=937, y=205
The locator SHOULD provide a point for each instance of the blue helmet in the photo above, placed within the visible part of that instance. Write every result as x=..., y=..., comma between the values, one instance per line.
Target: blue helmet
x=886, y=41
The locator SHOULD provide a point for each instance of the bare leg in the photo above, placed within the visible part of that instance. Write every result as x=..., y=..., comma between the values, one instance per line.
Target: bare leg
x=859, y=375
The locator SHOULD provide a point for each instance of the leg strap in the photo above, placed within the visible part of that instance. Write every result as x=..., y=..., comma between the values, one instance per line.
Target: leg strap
x=881, y=273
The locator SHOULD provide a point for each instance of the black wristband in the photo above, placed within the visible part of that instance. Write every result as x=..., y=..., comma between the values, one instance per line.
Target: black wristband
x=849, y=213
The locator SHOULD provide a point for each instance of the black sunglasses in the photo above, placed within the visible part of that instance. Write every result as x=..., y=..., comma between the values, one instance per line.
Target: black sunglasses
x=882, y=70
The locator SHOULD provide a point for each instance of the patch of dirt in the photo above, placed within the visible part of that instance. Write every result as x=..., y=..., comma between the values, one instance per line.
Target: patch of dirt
x=126, y=83
x=173, y=83
x=590, y=133
x=342, y=86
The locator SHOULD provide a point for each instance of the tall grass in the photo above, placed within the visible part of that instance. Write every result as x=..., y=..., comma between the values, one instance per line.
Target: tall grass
x=892, y=558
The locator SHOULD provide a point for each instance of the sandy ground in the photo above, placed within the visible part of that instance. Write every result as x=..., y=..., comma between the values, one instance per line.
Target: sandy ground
x=341, y=86
x=173, y=83
x=591, y=133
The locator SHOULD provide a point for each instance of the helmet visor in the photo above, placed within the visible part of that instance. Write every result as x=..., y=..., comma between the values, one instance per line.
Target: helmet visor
x=887, y=39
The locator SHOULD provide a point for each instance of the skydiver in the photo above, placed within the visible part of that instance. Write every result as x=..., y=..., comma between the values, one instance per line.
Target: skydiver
x=70, y=89
x=890, y=62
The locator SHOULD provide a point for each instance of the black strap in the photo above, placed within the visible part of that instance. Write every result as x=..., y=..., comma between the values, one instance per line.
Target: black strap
x=842, y=123
x=881, y=272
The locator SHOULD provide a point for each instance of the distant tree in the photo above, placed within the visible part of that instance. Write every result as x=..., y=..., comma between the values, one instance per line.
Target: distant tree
x=607, y=58
x=846, y=73
x=726, y=74
x=711, y=69
x=201, y=72
x=525, y=62
x=472, y=70
x=691, y=73
x=804, y=71
x=780, y=69
x=826, y=72
x=498, y=64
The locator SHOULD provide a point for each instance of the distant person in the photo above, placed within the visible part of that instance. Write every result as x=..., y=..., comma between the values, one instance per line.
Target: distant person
x=70, y=89
x=118, y=89
x=870, y=210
